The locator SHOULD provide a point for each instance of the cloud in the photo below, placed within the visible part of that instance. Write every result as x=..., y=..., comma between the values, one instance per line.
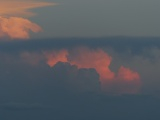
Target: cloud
x=98, y=59
x=19, y=8
x=101, y=61
x=17, y=28
x=12, y=21
x=38, y=82
x=130, y=59
x=74, y=70
x=127, y=74
x=125, y=80
x=73, y=79
x=125, y=46
x=84, y=57
x=56, y=56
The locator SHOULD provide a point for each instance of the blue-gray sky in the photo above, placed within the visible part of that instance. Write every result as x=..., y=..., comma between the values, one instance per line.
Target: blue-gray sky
x=85, y=18
x=97, y=18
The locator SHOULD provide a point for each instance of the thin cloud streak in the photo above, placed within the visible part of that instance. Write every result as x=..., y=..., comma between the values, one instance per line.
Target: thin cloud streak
x=21, y=8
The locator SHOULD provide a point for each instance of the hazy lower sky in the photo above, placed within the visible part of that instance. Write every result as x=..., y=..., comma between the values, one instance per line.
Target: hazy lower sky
x=96, y=18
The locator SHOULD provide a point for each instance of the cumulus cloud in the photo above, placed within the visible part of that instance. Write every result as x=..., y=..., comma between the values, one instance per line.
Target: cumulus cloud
x=127, y=74
x=55, y=56
x=17, y=28
x=143, y=60
x=125, y=80
x=100, y=61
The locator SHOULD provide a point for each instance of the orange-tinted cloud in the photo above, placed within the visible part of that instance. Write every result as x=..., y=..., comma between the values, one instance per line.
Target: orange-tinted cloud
x=127, y=74
x=17, y=28
x=98, y=59
x=56, y=56
x=129, y=80
x=20, y=7
x=12, y=21
x=125, y=81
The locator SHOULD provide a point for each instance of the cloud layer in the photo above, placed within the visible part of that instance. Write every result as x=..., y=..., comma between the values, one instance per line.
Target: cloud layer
x=75, y=69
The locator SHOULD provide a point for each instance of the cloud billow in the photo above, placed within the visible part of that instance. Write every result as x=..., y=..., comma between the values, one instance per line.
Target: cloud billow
x=85, y=58
x=71, y=78
x=17, y=28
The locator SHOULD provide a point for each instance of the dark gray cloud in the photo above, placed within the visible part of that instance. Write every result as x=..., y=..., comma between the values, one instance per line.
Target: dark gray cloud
x=135, y=45
x=22, y=106
x=23, y=82
x=22, y=58
x=76, y=80
x=31, y=89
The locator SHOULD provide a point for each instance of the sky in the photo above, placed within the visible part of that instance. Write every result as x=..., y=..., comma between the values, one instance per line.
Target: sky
x=87, y=18
x=94, y=18
x=80, y=60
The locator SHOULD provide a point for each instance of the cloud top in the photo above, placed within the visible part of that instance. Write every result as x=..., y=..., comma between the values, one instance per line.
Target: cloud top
x=17, y=28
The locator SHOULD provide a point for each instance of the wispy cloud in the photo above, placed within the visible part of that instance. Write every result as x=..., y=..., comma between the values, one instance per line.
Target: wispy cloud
x=20, y=7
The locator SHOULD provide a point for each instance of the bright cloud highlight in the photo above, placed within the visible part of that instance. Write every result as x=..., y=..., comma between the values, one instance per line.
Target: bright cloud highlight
x=17, y=28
